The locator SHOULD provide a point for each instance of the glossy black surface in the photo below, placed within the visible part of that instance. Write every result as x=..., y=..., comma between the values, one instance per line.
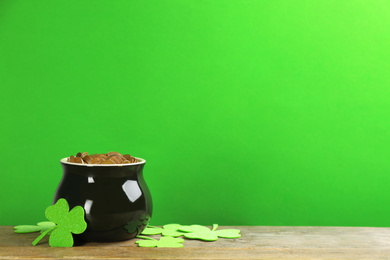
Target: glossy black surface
x=116, y=200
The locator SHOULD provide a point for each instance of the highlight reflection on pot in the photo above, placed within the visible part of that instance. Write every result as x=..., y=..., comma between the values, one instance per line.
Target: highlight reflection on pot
x=132, y=190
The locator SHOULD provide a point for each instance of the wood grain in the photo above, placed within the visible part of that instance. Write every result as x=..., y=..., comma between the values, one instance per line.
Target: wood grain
x=257, y=242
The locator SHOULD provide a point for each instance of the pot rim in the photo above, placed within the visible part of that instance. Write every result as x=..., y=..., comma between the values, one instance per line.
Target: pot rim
x=141, y=161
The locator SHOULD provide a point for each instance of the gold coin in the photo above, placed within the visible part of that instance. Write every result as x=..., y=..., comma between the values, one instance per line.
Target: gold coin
x=116, y=159
x=77, y=160
x=109, y=158
x=87, y=159
x=97, y=160
x=108, y=161
x=114, y=153
x=127, y=156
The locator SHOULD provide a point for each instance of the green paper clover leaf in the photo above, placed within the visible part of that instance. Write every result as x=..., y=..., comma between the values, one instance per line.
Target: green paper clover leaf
x=167, y=230
x=150, y=230
x=204, y=233
x=163, y=242
x=67, y=222
x=228, y=233
x=41, y=226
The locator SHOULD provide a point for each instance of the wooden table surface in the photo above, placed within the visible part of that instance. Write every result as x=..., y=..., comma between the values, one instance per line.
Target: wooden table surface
x=257, y=242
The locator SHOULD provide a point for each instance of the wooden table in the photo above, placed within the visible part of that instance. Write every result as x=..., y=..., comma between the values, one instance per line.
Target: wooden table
x=257, y=242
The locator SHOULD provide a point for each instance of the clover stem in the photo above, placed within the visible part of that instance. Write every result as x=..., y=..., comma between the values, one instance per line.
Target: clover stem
x=149, y=238
x=42, y=235
x=215, y=226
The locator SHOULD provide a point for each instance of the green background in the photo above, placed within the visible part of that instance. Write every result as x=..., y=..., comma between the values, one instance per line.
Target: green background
x=247, y=112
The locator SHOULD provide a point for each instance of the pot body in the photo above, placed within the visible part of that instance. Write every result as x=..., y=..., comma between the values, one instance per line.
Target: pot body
x=116, y=199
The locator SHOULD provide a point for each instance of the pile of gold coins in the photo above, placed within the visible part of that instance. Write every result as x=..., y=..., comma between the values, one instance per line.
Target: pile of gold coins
x=105, y=158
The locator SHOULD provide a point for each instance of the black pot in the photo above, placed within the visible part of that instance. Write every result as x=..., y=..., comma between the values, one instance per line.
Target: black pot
x=115, y=198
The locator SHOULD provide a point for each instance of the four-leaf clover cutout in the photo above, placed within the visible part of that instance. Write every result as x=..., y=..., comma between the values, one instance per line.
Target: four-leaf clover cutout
x=167, y=230
x=163, y=242
x=191, y=232
x=204, y=233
